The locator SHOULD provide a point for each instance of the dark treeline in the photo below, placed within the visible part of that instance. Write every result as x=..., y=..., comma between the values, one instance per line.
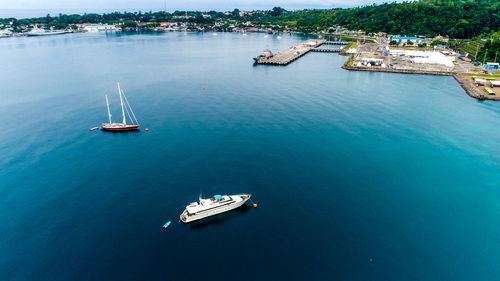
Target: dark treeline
x=63, y=21
x=454, y=18
x=491, y=49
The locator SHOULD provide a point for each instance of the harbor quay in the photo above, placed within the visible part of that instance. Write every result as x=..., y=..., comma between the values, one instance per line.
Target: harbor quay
x=380, y=57
x=288, y=55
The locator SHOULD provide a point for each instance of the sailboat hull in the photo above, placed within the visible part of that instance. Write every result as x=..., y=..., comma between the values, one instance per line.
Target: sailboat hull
x=117, y=127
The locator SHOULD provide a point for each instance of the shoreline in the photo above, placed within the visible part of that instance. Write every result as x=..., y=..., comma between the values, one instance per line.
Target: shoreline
x=470, y=89
x=401, y=71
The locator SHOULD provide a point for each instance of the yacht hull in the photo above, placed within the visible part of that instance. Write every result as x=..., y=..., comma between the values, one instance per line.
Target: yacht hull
x=185, y=218
x=45, y=33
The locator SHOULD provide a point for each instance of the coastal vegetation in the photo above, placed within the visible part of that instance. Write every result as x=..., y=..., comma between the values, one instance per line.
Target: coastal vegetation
x=474, y=24
x=347, y=48
x=453, y=18
x=482, y=49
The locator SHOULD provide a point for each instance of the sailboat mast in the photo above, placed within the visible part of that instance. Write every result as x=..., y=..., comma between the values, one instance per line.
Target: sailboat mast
x=109, y=113
x=121, y=102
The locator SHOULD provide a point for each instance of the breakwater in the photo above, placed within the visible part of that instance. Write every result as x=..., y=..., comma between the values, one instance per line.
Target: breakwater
x=471, y=90
x=289, y=55
x=403, y=71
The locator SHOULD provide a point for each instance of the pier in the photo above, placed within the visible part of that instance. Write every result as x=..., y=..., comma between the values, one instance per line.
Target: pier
x=326, y=50
x=336, y=43
x=287, y=56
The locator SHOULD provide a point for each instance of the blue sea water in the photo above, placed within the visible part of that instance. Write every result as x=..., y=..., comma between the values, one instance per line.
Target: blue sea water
x=357, y=175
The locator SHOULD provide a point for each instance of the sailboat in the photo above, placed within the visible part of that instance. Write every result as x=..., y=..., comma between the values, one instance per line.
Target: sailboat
x=123, y=126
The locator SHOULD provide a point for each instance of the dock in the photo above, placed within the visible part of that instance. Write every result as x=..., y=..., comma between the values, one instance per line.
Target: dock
x=326, y=50
x=287, y=56
x=336, y=43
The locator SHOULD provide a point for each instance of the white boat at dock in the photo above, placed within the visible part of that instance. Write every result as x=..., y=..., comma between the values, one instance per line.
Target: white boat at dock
x=213, y=206
x=43, y=32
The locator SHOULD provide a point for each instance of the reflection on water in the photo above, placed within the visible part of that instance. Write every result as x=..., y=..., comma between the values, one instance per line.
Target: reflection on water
x=221, y=218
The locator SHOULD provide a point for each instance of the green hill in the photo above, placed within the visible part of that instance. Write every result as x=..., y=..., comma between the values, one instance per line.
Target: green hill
x=454, y=18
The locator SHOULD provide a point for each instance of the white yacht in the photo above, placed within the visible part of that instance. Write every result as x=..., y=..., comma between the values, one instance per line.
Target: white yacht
x=42, y=32
x=213, y=206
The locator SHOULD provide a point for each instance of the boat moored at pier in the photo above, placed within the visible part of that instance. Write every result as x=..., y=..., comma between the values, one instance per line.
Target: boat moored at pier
x=213, y=206
x=43, y=32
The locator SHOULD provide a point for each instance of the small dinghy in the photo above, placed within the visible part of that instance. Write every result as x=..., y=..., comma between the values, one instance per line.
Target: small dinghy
x=167, y=224
x=93, y=128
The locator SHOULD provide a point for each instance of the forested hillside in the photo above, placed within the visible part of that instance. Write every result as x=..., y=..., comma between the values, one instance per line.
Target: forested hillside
x=453, y=18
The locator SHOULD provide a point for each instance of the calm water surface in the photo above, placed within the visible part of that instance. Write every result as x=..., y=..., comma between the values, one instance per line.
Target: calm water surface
x=358, y=176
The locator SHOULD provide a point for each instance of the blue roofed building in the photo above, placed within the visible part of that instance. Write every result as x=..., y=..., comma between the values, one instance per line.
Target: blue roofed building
x=406, y=39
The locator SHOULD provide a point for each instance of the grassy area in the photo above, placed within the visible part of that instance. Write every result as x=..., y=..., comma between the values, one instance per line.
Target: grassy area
x=469, y=47
x=483, y=76
x=347, y=47
x=350, y=60
x=352, y=38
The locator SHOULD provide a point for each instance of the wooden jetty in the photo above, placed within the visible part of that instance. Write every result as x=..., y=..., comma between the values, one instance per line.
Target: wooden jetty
x=288, y=55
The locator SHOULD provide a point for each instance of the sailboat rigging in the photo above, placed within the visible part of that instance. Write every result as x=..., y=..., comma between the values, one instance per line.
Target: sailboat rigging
x=125, y=106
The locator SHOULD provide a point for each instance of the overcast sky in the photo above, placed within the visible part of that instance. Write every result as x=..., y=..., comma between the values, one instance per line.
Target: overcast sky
x=42, y=7
x=186, y=4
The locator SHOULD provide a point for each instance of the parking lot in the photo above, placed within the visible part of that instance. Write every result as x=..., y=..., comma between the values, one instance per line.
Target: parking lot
x=392, y=58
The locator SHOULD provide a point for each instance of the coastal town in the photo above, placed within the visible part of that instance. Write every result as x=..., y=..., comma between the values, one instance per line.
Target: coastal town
x=479, y=80
x=380, y=51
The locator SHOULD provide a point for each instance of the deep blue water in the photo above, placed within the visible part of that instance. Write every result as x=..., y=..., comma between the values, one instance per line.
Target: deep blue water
x=358, y=176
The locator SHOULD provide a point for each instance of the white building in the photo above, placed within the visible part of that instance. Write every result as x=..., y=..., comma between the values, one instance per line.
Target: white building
x=406, y=39
x=97, y=28
x=5, y=33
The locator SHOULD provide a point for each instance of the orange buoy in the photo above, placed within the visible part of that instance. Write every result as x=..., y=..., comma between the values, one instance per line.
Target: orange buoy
x=203, y=89
x=147, y=129
x=255, y=205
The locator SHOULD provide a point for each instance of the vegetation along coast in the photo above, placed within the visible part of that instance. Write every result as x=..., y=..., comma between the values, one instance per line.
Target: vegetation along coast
x=455, y=37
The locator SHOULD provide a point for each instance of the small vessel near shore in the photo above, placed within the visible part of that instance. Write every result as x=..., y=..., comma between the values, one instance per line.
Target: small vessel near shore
x=123, y=126
x=43, y=32
x=212, y=206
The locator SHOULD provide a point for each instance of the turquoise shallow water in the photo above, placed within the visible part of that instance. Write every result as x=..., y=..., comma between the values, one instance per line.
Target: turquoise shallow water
x=358, y=176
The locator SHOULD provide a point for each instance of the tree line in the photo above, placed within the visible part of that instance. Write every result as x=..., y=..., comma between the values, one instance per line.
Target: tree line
x=454, y=18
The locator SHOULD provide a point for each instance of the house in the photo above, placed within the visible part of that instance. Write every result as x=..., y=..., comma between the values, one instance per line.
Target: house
x=491, y=65
x=167, y=24
x=5, y=33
